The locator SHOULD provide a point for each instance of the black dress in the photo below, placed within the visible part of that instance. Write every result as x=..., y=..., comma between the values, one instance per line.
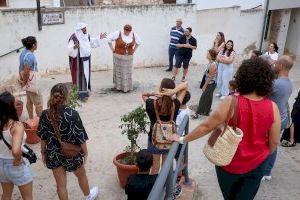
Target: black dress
x=152, y=116
x=71, y=130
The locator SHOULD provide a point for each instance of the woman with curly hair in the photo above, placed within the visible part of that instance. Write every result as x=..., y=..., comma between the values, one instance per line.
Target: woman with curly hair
x=258, y=118
x=60, y=118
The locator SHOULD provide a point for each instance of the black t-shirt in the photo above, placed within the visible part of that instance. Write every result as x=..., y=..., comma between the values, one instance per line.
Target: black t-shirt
x=186, y=52
x=152, y=116
x=139, y=186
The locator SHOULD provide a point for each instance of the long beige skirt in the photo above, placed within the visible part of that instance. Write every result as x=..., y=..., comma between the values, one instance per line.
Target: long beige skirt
x=122, y=72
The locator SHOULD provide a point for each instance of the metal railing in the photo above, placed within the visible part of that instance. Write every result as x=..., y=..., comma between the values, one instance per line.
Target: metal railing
x=166, y=180
x=16, y=50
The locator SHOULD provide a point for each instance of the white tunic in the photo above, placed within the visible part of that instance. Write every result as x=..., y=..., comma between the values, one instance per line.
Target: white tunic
x=126, y=38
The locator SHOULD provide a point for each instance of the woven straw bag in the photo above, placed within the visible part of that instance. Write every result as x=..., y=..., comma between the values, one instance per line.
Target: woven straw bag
x=163, y=130
x=223, y=142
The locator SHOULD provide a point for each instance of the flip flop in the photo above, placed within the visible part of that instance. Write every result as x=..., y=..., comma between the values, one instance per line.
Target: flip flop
x=288, y=144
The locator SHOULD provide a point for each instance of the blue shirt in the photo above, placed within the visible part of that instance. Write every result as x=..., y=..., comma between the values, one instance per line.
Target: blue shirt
x=175, y=35
x=281, y=92
x=27, y=57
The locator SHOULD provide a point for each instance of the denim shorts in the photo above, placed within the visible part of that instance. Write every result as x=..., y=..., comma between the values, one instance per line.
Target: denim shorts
x=18, y=175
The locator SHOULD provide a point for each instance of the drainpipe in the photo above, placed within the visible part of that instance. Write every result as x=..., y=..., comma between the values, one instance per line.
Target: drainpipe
x=39, y=16
x=264, y=25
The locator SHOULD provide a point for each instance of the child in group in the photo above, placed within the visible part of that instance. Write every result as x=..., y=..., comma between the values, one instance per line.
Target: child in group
x=182, y=112
x=139, y=185
x=232, y=87
x=184, y=109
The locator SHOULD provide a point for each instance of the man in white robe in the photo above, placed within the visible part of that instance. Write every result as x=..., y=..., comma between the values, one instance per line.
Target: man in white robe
x=79, y=50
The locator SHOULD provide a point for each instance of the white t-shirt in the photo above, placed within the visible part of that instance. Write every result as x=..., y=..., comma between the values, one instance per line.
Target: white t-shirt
x=181, y=114
x=274, y=56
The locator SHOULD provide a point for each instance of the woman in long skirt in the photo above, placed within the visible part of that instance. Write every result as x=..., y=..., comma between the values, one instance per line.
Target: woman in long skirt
x=126, y=43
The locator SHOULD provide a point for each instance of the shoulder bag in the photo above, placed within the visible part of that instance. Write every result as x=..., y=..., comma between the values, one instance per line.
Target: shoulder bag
x=223, y=142
x=163, y=130
x=27, y=152
x=68, y=150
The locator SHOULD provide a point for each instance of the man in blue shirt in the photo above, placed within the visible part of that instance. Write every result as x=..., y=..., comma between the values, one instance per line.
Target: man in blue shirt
x=175, y=33
x=282, y=90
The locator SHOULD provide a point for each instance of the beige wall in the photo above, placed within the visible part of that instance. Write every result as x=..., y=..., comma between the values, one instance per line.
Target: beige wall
x=151, y=22
x=293, y=37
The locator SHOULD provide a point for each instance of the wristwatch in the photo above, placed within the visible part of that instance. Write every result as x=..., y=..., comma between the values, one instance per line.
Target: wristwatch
x=181, y=140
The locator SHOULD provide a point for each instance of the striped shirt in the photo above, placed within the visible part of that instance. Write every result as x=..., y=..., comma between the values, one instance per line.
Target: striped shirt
x=175, y=35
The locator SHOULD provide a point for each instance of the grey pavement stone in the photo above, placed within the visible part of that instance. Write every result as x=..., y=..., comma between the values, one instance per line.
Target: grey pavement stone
x=101, y=117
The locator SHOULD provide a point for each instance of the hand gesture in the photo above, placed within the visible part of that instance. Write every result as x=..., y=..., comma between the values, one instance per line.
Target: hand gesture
x=103, y=35
x=167, y=92
x=18, y=162
x=76, y=45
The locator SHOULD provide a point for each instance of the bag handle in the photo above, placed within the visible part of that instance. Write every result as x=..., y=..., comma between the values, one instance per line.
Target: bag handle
x=5, y=142
x=157, y=114
x=233, y=106
x=55, y=126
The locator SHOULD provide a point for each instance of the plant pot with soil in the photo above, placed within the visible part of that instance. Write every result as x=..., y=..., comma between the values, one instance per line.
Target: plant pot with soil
x=133, y=124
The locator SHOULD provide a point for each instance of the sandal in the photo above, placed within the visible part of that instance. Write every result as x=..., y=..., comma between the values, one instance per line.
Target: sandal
x=173, y=78
x=288, y=144
x=195, y=116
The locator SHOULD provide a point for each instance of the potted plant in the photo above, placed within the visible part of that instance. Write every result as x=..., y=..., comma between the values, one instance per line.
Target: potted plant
x=133, y=124
x=73, y=97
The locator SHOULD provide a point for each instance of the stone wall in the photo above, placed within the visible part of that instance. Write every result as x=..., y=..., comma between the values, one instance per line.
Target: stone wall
x=151, y=22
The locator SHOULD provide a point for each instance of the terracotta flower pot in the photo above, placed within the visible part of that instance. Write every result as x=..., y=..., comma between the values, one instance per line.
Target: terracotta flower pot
x=19, y=107
x=31, y=126
x=124, y=171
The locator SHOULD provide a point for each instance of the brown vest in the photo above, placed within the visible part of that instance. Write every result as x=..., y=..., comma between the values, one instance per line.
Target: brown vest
x=122, y=48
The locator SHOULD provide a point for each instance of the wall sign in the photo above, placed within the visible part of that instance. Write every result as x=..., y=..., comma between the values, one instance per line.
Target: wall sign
x=51, y=18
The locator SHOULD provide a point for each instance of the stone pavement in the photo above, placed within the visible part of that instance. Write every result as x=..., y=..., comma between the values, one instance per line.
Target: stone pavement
x=101, y=117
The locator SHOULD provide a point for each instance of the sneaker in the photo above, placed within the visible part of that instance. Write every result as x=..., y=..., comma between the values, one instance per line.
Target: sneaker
x=218, y=95
x=93, y=194
x=177, y=192
x=266, y=178
x=222, y=97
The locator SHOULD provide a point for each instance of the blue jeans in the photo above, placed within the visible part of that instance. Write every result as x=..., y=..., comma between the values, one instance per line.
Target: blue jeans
x=172, y=52
x=225, y=72
x=272, y=157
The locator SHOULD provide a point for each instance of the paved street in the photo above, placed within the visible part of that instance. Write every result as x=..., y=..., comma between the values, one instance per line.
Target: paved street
x=101, y=117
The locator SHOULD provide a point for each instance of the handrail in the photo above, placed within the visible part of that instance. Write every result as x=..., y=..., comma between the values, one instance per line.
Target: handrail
x=166, y=179
x=16, y=50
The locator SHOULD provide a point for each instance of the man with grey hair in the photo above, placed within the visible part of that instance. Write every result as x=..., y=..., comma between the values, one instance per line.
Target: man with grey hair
x=282, y=90
x=175, y=33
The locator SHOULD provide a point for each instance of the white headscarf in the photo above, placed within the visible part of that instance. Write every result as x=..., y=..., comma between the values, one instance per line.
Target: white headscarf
x=85, y=46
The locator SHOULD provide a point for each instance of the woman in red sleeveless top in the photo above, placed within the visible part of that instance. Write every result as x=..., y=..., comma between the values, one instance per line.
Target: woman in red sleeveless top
x=126, y=43
x=258, y=118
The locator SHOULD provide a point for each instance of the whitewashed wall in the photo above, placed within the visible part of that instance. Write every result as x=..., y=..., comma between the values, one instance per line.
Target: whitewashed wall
x=152, y=23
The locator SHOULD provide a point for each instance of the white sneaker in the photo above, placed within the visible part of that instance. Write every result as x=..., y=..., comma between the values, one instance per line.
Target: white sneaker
x=266, y=178
x=93, y=194
x=218, y=95
x=222, y=97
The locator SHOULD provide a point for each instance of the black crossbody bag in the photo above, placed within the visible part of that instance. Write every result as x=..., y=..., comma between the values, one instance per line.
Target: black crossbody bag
x=29, y=154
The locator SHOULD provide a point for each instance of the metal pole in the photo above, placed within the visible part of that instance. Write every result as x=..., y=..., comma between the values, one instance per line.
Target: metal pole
x=264, y=25
x=169, y=184
x=186, y=159
x=39, y=16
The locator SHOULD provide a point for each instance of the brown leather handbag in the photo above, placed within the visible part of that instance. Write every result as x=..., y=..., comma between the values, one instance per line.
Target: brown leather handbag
x=68, y=150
